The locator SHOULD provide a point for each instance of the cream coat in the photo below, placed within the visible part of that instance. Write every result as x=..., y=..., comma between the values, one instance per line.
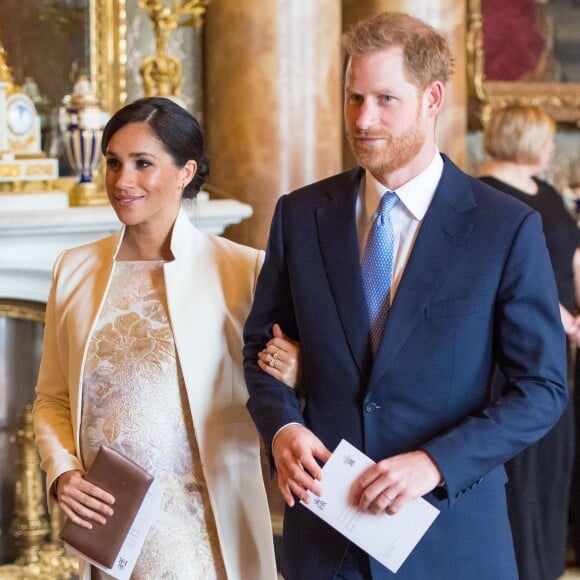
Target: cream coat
x=210, y=286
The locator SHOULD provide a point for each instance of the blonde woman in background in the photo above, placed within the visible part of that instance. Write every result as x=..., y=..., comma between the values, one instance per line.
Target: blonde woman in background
x=520, y=142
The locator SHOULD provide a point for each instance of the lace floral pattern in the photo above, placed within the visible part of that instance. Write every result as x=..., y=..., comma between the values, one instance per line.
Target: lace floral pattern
x=134, y=399
x=131, y=339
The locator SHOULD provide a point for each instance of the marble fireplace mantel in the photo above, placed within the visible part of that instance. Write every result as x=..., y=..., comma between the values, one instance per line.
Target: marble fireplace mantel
x=31, y=240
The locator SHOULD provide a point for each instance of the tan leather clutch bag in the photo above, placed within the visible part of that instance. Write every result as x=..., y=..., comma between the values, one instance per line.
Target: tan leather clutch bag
x=128, y=483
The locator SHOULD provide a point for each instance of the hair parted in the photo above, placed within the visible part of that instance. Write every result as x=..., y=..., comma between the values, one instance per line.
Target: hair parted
x=518, y=133
x=176, y=129
x=427, y=55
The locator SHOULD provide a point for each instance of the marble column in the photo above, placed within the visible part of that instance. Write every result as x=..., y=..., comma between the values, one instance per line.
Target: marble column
x=272, y=101
x=448, y=16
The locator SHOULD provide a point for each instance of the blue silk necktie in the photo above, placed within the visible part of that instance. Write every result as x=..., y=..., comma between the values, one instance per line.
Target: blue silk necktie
x=377, y=268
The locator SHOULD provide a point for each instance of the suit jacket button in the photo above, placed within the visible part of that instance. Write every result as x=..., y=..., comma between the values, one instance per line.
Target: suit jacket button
x=370, y=407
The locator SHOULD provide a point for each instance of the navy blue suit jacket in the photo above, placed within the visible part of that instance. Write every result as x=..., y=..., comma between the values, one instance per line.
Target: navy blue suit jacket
x=478, y=290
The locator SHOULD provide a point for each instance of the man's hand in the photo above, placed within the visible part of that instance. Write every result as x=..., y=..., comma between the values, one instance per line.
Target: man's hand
x=295, y=449
x=391, y=483
x=82, y=501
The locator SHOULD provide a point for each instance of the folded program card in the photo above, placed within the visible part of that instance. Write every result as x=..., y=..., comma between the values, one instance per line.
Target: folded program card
x=387, y=538
x=115, y=546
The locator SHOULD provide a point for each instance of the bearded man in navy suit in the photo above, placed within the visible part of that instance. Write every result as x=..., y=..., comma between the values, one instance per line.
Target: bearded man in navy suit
x=472, y=287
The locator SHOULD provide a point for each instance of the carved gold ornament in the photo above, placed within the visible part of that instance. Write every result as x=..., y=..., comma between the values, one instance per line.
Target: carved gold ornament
x=40, y=552
x=162, y=73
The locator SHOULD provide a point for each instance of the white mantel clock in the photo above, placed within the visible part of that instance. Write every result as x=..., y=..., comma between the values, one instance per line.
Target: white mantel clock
x=21, y=156
x=19, y=122
x=22, y=121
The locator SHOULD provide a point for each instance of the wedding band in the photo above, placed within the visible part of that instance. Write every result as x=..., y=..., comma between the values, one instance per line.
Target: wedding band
x=272, y=362
x=275, y=355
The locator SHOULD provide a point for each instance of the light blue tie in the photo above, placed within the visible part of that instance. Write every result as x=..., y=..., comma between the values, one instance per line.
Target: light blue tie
x=377, y=268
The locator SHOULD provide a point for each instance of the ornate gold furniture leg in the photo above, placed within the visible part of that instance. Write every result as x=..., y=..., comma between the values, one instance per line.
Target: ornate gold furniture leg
x=40, y=552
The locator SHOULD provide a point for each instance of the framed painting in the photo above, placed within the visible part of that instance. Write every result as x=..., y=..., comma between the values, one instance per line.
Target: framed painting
x=524, y=51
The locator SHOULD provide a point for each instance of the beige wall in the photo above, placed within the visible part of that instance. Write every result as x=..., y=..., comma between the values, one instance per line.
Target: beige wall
x=272, y=97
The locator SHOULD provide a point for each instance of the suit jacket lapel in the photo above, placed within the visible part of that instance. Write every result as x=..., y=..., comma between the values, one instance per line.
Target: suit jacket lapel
x=446, y=226
x=340, y=253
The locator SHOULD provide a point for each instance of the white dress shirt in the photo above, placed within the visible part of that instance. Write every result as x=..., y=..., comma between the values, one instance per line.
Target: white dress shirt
x=407, y=216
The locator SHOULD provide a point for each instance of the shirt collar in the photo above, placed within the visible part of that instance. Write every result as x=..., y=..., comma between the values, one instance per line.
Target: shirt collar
x=416, y=194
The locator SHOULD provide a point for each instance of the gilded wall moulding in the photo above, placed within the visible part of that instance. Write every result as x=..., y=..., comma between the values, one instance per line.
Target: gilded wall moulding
x=108, y=49
x=22, y=310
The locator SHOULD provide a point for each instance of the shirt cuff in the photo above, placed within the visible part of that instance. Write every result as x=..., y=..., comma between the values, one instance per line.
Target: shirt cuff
x=280, y=430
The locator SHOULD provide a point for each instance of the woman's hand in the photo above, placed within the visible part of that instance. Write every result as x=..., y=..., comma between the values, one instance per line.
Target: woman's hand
x=83, y=502
x=571, y=325
x=281, y=359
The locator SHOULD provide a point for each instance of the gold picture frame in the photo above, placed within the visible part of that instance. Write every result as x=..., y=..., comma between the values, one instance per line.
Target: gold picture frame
x=108, y=49
x=560, y=99
x=48, y=45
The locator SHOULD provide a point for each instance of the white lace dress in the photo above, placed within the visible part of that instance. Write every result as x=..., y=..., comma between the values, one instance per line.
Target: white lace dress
x=134, y=400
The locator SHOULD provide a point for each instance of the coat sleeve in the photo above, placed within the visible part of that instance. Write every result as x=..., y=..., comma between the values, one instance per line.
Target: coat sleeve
x=51, y=409
x=530, y=348
x=271, y=404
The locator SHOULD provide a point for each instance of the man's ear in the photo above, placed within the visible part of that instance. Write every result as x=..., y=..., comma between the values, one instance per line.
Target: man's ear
x=433, y=97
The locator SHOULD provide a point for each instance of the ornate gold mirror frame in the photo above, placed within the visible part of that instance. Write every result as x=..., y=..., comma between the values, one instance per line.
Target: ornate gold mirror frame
x=108, y=29
x=561, y=100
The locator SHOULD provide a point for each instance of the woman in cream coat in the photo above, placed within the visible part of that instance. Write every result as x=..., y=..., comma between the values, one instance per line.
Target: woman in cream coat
x=207, y=286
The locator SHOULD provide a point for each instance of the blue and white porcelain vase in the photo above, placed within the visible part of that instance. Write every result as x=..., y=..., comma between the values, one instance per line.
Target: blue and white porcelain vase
x=82, y=122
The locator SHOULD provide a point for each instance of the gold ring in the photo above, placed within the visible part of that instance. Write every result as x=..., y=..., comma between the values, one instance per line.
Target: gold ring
x=275, y=355
x=272, y=362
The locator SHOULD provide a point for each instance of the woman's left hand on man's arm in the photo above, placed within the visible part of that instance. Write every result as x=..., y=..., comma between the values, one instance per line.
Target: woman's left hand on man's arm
x=281, y=359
